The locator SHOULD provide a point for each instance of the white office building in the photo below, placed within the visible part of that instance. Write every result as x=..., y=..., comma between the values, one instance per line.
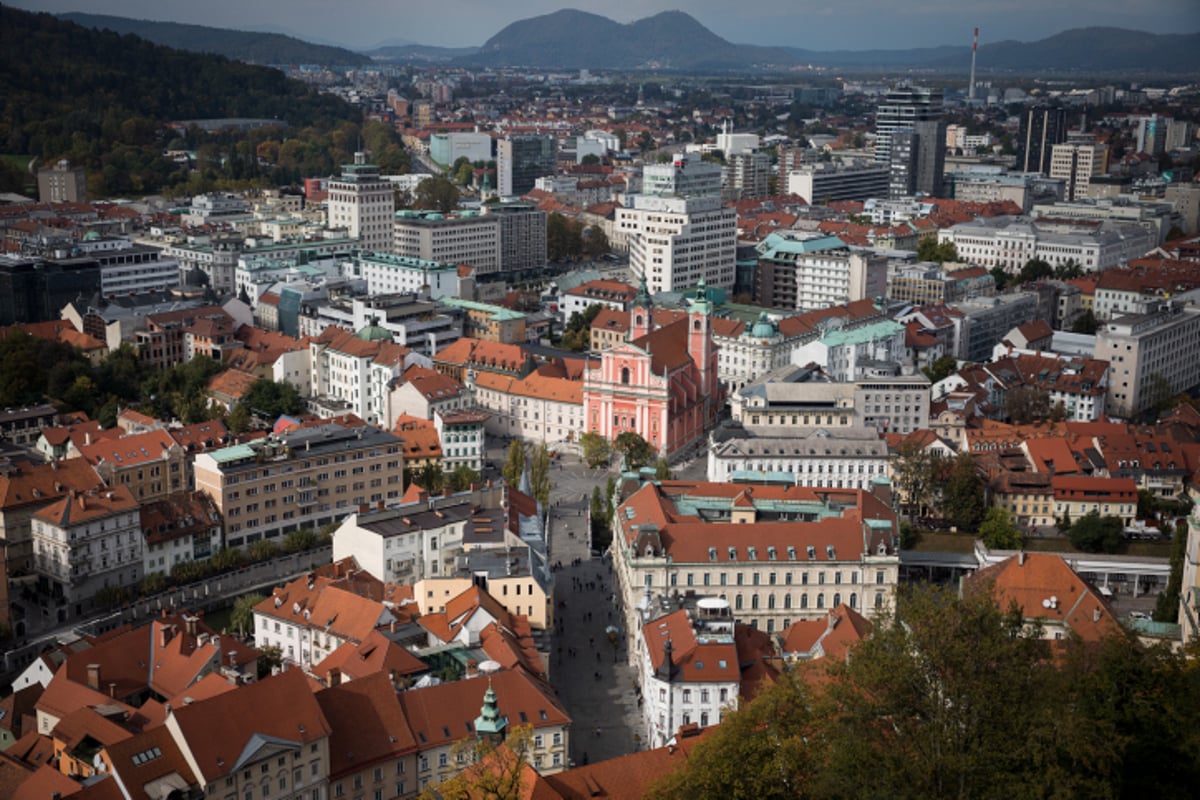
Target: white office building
x=363, y=203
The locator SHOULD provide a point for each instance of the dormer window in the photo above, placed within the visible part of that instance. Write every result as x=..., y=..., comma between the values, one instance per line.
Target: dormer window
x=812, y=552
x=733, y=554
x=712, y=554
x=752, y=553
x=829, y=552
x=791, y=553
x=770, y=553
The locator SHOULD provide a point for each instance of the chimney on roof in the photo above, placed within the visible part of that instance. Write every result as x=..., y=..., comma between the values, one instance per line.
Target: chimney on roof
x=112, y=690
x=1096, y=614
x=93, y=676
x=87, y=438
x=164, y=634
x=335, y=677
x=190, y=622
x=1021, y=558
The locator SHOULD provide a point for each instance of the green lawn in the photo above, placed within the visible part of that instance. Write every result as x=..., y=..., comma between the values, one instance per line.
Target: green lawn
x=938, y=542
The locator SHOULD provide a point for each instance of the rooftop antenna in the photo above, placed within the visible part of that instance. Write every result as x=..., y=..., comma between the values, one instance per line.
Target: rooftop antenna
x=974, y=47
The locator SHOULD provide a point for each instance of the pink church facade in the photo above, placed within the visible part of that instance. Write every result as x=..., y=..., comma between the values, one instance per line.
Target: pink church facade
x=660, y=383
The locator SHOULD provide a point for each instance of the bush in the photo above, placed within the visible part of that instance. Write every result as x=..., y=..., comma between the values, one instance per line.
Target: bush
x=1096, y=534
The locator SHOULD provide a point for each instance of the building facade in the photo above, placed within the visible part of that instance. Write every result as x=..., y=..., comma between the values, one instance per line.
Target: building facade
x=363, y=203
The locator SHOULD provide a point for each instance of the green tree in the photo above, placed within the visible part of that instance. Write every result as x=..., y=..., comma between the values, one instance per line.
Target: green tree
x=942, y=367
x=1025, y=404
x=111, y=597
x=962, y=495
x=595, y=242
x=598, y=510
x=462, y=477
x=1034, y=270
x=595, y=448
x=436, y=193
x=636, y=451
x=998, y=531
x=270, y=399
x=539, y=474
x=768, y=749
x=300, y=540
x=270, y=658
x=914, y=471
x=1085, y=323
x=1093, y=533
x=431, y=477
x=930, y=249
x=1166, y=607
x=514, y=463
x=242, y=616
x=1068, y=271
x=1160, y=396
x=1001, y=277
x=662, y=470
x=262, y=550
x=590, y=159
x=238, y=421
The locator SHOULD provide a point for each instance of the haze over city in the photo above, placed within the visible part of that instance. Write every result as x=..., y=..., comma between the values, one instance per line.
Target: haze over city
x=869, y=24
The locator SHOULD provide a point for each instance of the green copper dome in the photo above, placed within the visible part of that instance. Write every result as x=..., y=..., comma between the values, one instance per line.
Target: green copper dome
x=763, y=328
x=374, y=333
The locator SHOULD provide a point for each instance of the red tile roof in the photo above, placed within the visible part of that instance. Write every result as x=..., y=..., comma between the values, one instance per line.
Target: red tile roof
x=218, y=730
x=367, y=722
x=375, y=654
x=832, y=637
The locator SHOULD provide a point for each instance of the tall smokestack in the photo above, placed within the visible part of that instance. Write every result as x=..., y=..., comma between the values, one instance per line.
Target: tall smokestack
x=971, y=85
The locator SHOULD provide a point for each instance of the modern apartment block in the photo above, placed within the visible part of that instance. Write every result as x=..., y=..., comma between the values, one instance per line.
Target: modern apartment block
x=304, y=478
x=62, y=183
x=1149, y=354
x=363, y=203
x=918, y=159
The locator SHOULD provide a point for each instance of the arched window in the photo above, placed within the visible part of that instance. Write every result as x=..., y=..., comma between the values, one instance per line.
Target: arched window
x=787, y=601
x=879, y=600
x=837, y=600
x=820, y=599
x=853, y=600
x=754, y=601
x=638, y=320
x=804, y=600
x=770, y=601
x=625, y=375
x=696, y=325
x=737, y=602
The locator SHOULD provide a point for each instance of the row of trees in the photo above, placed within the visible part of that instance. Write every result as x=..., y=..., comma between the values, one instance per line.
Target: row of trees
x=433, y=478
x=961, y=700
x=537, y=461
x=926, y=480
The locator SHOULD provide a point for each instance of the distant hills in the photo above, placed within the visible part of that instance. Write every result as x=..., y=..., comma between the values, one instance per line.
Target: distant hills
x=251, y=46
x=676, y=41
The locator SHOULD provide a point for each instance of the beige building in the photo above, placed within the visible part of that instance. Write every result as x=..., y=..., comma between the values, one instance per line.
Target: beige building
x=363, y=203
x=303, y=478
x=465, y=239
x=1077, y=161
x=1148, y=354
x=776, y=554
x=62, y=183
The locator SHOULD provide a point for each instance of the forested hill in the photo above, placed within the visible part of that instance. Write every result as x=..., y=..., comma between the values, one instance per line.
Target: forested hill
x=101, y=99
x=256, y=47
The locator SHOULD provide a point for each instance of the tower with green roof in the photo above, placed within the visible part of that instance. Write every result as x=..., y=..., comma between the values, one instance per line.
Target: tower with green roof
x=490, y=724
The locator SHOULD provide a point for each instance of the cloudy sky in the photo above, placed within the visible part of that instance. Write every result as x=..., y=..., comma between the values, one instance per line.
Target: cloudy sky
x=823, y=25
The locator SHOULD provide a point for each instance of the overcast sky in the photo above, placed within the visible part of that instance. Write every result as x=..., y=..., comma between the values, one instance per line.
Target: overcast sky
x=823, y=25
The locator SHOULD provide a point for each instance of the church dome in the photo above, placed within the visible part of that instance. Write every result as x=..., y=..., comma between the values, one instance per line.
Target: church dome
x=764, y=328
x=374, y=333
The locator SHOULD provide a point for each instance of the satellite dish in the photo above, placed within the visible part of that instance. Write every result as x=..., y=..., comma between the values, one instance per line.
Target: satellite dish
x=490, y=666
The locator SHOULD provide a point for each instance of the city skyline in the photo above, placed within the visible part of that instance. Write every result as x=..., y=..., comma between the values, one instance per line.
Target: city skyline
x=872, y=24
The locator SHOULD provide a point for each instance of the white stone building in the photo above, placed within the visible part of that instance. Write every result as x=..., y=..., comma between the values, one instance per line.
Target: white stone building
x=86, y=542
x=852, y=458
x=363, y=203
x=1010, y=242
x=675, y=242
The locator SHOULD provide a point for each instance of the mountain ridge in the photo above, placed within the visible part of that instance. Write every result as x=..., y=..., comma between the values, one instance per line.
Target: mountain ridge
x=258, y=47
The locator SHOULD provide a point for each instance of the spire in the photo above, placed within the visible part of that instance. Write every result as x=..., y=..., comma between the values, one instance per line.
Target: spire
x=642, y=298
x=490, y=722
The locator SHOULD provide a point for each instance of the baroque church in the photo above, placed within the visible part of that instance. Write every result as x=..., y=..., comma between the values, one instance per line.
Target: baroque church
x=660, y=383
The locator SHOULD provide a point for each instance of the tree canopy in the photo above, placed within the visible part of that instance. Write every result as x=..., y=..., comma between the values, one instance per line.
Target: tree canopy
x=636, y=450
x=437, y=194
x=998, y=530
x=961, y=700
x=931, y=249
x=1093, y=533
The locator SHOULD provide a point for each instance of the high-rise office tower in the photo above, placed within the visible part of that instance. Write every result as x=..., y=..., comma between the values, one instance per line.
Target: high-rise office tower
x=902, y=107
x=1152, y=134
x=521, y=160
x=918, y=159
x=363, y=203
x=1041, y=129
